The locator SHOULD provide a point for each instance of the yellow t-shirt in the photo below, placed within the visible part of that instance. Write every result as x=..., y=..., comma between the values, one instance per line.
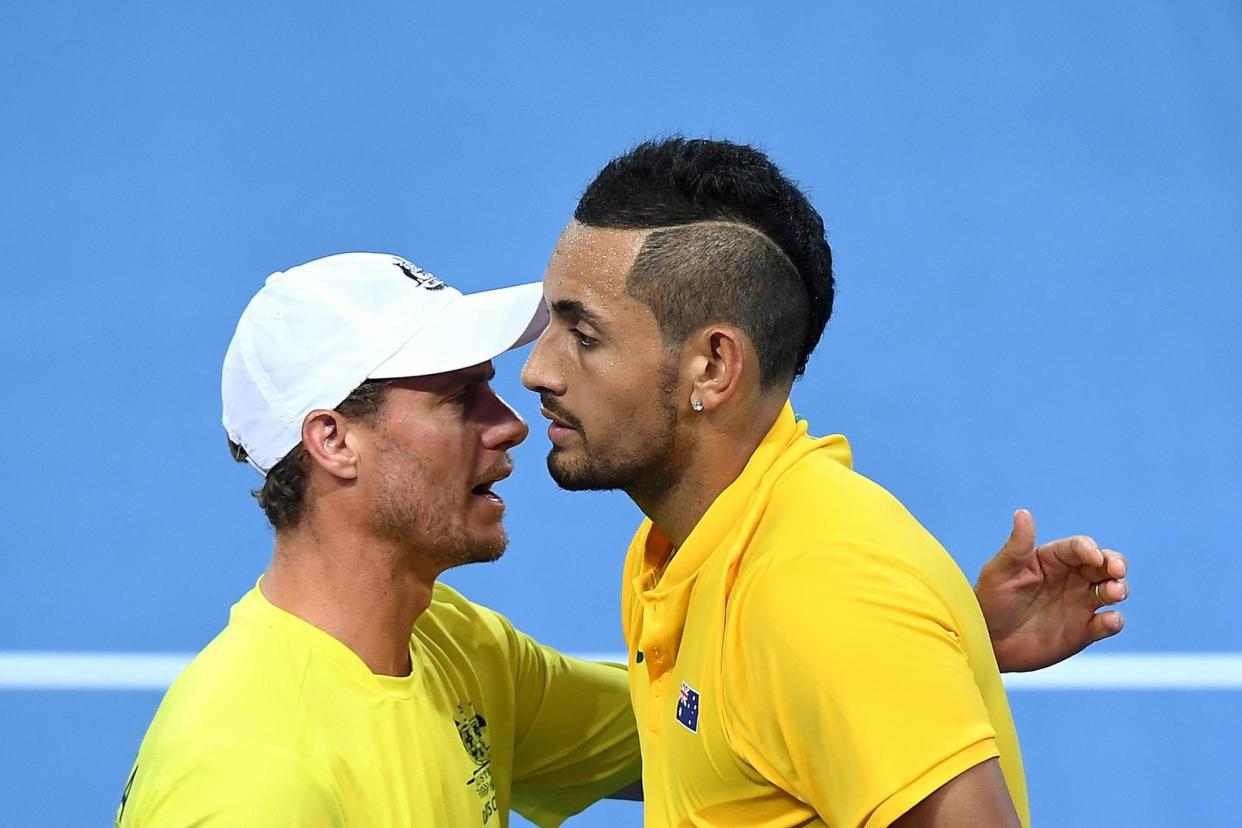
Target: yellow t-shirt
x=810, y=656
x=278, y=723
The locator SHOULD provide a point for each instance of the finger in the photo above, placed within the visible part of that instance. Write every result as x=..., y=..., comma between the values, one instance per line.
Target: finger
x=1079, y=550
x=1115, y=564
x=1105, y=625
x=1018, y=549
x=1113, y=592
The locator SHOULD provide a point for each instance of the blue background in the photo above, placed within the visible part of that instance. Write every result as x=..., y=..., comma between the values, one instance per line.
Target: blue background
x=1035, y=210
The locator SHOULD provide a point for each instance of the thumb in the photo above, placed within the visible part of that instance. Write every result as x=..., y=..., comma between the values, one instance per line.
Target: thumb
x=1020, y=547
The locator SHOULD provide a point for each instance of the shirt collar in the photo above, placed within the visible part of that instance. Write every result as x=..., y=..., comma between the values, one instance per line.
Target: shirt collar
x=723, y=516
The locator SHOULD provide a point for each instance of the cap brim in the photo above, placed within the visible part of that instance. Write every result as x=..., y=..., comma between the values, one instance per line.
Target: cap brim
x=475, y=328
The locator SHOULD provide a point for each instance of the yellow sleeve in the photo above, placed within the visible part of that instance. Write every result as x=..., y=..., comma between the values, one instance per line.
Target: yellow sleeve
x=575, y=740
x=847, y=684
x=226, y=786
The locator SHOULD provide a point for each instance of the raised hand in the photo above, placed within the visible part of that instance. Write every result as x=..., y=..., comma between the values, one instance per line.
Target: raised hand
x=1041, y=603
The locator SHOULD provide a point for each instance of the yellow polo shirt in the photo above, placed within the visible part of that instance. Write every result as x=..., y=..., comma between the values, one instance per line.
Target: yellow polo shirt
x=810, y=656
x=278, y=723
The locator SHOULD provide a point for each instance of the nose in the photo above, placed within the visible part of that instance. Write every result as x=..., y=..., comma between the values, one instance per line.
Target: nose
x=506, y=428
x=537, y=373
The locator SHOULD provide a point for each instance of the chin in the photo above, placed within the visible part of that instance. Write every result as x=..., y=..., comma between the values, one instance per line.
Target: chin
x=477, y=552
x=567, y=475
x=585, y=474
x=475, y=557
x=487, y=549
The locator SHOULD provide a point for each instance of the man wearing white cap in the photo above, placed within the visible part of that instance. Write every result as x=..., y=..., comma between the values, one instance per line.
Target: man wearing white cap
x=358, y=386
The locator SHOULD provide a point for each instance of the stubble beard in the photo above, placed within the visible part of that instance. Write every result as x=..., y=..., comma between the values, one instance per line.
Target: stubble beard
x=426, y=528
x=646, y=470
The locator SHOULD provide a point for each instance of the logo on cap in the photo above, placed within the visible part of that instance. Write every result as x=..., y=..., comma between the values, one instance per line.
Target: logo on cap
x=413, y=271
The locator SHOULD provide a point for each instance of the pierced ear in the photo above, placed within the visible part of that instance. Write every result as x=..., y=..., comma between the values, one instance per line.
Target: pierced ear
x=722, y=362
x=327, y=439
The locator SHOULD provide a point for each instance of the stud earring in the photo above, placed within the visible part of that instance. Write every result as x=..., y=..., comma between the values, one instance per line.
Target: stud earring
x=697, y=405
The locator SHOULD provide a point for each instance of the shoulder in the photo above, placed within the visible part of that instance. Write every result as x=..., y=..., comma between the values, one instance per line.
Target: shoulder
x=233, y=782
x=244, y=686
x=451, y=616
x=823, y=496
x=450, y=606
x=822, y=515
x=223, y=742
x=471, y=639
x=833, y=545
x=479, y=637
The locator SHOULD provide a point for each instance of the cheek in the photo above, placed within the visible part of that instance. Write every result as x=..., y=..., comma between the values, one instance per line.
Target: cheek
x=453, y=465
x=627, y=402
x=440, y=462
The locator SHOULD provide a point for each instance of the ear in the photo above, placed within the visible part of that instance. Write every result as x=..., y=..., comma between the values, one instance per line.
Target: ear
x=722, y=362
x=330, y=442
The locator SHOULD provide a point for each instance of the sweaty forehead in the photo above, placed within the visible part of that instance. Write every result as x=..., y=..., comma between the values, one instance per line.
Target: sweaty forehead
x=593, y=260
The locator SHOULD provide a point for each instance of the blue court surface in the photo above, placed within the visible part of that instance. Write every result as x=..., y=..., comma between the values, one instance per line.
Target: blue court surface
x=1036, y=216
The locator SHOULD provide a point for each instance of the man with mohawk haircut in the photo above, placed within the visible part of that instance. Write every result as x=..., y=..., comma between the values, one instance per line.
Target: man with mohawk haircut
x=802, y=652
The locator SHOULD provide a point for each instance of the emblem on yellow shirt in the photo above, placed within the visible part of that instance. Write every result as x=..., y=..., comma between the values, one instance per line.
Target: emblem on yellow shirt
x=470, y=728
x=688, y=708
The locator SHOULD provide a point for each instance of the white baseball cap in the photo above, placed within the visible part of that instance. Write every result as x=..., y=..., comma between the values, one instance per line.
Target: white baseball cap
x=315, y=332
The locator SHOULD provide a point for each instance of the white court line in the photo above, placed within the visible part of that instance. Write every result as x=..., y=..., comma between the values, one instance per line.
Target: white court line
x=155, y=671
x=90, y=671
x=1136, y=671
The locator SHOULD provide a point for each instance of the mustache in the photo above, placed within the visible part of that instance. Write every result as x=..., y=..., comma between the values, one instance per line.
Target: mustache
x=553, y=406
x=500, y=470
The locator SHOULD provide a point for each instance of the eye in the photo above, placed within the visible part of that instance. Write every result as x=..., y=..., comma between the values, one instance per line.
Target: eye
x=462, y=397
x=584, y=341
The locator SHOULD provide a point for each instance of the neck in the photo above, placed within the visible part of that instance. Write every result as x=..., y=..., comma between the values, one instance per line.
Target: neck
x=720, y=450
x=363, y=591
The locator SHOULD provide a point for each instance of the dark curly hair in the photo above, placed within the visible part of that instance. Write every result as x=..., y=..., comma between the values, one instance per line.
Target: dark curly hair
x=282, y=495
x=734, y=241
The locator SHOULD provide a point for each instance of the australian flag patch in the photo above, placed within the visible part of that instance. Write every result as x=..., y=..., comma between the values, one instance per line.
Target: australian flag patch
x=688, y=708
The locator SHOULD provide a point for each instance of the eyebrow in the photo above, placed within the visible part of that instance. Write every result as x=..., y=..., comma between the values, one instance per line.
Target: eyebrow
x=468, y=378
x=574, y=308
x=482, y=375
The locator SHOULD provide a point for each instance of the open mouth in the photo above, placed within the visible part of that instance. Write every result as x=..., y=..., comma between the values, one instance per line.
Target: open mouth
x=495, y=475
x=485, y=490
